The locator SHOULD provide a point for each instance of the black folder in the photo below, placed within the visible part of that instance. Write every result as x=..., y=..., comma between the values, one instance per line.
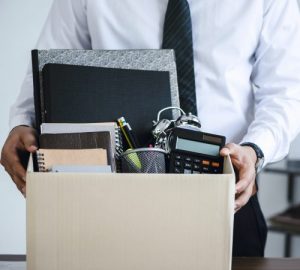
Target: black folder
x=83, y=94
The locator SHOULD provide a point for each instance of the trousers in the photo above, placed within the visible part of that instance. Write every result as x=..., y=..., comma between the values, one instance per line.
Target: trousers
x=250, y=230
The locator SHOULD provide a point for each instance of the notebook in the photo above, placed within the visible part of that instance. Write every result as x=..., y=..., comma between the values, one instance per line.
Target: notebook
x=80, y=94
x=47, y=158
x=111, y=127
x=86, y=140
x=81, y=169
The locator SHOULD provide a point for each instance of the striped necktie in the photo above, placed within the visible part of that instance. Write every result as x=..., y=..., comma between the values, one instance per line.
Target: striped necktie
x=178, y=36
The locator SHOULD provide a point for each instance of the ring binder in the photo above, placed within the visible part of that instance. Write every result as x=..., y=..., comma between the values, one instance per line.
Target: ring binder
x=41, y=161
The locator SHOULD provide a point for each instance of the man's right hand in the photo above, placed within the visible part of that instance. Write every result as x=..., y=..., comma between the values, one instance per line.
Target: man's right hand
x=20, y=141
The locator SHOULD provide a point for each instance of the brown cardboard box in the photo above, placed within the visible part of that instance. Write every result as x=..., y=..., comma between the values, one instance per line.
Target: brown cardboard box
x=130, y=221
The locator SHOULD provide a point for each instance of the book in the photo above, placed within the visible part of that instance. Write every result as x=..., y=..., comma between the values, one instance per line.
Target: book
x=112, y=127
x=81, y=169
x=156, y=60
x=80, y=94
x=86, y=140
x=47, y=158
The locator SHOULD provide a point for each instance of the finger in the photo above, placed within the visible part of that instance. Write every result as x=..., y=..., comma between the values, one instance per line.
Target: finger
x=229, y=149
x=14, y=167
x=225, y=152
x=20, y=183
x=246, y=177
x=237, y=162
x=243, y=199
x=18, y=170
x=29, y=141
x=19, y=176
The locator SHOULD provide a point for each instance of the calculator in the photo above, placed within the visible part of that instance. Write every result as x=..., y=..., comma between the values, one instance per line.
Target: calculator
x=195, y=152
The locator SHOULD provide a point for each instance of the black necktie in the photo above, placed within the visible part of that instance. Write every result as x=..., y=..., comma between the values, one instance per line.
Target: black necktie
x=178, y=36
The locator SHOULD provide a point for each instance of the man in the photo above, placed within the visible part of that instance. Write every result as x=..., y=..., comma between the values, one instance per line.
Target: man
x=247, y=64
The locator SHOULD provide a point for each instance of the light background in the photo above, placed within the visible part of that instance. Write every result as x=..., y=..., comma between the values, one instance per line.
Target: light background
x=20, y=25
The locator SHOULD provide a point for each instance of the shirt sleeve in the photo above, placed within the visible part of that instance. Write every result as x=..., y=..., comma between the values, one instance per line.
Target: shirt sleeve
x=276, y=81
x=65, y=28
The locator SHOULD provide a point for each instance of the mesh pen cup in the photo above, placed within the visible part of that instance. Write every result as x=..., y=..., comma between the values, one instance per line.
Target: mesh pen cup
x=144, y=160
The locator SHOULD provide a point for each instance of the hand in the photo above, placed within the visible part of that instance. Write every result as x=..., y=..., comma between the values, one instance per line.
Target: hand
x=14, y=157
x=243, y=159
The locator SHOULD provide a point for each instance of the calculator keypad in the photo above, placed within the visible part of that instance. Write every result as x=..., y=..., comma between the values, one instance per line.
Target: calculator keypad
x=193, y=165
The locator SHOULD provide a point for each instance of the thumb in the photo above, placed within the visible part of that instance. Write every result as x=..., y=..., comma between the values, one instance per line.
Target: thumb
x=29, y=142
x=225, y=152
x=229, y=149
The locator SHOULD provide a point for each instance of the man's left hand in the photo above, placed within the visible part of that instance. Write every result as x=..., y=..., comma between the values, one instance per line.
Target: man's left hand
x=243, y=159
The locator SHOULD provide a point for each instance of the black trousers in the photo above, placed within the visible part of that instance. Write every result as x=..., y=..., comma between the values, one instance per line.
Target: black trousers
x=250, y=231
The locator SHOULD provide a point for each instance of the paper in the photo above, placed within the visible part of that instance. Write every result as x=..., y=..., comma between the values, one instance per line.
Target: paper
x=80, y=169
x=12, y=265
x=47, y=158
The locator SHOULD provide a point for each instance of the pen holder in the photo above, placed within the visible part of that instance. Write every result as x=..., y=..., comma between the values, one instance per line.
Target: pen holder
x=144, y=160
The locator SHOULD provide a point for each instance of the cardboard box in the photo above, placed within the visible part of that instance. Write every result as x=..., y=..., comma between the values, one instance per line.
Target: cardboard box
x=130, y=221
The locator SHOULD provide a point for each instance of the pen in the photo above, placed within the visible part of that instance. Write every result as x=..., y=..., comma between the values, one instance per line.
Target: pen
x=124, y=133
x=128, y=133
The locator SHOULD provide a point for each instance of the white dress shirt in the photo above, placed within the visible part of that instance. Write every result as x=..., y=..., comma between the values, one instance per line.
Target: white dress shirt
x=247, y=60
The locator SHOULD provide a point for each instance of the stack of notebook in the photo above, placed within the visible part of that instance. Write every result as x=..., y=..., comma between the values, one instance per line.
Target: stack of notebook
x=78, y=147
x=68, y=160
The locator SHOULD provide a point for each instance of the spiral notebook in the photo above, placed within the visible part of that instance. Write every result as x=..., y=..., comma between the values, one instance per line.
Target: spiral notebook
x=50, y=138
x=47, y=158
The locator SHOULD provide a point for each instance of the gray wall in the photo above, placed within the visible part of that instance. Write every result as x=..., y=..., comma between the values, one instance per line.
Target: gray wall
x=20, y=24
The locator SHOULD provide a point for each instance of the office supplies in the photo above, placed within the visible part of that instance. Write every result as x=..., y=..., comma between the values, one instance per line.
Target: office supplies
x=129, y=143
x=128, y=133
x=156, y=60
x=47, y=158
x=194, y=152
x=84, y=140
x=144, y=160
x=80, y=169
x=163, y=127
x=55, y=128
x=93, y=94
x=111, y=127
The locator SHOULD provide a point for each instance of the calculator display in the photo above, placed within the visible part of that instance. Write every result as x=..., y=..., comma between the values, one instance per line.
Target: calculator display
x=197, y=147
